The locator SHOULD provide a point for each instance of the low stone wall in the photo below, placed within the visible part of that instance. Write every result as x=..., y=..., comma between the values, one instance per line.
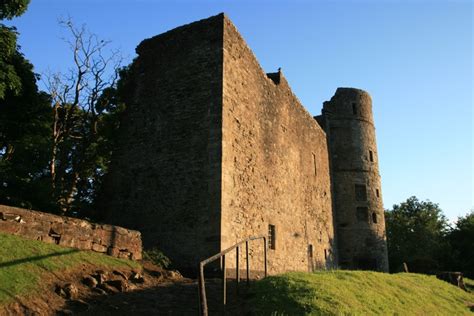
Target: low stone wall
x=71, y=232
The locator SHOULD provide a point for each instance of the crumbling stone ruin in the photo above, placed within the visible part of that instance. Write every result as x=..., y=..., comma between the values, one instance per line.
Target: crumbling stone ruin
x=71, y=232
x=213, y=150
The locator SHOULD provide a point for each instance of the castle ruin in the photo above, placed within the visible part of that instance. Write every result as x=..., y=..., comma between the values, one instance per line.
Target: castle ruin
x=213, y=150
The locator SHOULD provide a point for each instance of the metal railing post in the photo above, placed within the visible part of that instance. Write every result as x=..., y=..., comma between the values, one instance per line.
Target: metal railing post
x=224, y=284
x=203, y=308
x=202, y=292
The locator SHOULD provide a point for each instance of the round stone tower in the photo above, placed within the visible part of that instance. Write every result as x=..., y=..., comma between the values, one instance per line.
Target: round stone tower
x=357, y=196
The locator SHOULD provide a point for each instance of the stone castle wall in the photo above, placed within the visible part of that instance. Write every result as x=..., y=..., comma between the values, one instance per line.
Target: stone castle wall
x=165, y=174
x=71, y=232
x=275, y=168
x=347, y=119
x=213, y=150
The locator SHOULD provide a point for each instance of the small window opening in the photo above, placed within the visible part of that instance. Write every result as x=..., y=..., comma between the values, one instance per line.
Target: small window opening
x=310, y=251
x=354, y=108
x=377, y=192
x=360, y=193
x=374, y=218
x=362, y=214
x=315, y=165
x=371, y=156
x=325, y=254
x=271, y=237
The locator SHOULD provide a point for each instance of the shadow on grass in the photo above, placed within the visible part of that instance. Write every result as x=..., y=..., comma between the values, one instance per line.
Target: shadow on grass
x=35, y=258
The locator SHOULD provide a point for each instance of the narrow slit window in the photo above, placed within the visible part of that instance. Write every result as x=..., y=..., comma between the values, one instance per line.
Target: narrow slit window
x=325, y=254
x=374, y=218
x=271, y=237
x=360, y=193
x=371, y=156
x=362, y=214
x=315, y=165
x=310, y=251
x=354, y=108
x=377, y=192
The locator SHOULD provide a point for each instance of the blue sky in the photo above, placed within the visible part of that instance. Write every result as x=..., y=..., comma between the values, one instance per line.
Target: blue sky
x=414, y=57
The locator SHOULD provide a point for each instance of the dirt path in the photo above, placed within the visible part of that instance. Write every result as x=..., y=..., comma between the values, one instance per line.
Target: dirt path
x=162, y=292
x=169, y=298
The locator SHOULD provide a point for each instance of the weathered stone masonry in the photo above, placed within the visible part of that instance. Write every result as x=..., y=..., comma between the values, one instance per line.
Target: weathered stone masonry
x=71, y=232
x=358, y=209
x=213, y=150
x=275, y=168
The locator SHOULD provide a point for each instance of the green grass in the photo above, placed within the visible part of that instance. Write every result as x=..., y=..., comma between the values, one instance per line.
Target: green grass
x=23, y=262
x=358, y=293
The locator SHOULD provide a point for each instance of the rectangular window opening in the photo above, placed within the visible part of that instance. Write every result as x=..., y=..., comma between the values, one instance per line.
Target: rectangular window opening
x=374, y=218
x=325, y=254
x=371, y=156
x=310, y=251
x=271, y=237
x=354, y=108
x=362, y=214
x=377, y=192
x=315, y=165
x=360, y=193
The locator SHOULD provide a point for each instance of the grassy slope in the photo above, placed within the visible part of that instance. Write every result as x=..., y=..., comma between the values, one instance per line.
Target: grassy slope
x=359, y=293
x=22, y=262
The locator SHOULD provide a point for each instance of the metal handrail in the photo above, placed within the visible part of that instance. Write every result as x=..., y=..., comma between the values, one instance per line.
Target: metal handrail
x=202, y=286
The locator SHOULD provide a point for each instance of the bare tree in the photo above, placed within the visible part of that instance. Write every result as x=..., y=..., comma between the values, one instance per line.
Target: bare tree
x=77, y=109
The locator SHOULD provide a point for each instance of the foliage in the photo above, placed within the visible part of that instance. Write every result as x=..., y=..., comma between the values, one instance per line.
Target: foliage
x=25, y=121
x=85, y=109
x=461, y=239
x=55, y=149
x=416, y=232
x=12, y=8
x=357, y=293
x=23, y=262
x=10, y=80
x=157, y=257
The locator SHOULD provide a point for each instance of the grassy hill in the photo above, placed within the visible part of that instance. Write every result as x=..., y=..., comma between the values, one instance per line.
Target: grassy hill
x=24, y=262
x=358, y=293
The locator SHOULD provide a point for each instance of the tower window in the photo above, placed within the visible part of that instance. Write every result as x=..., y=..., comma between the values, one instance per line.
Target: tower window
x=310, y=251
x=360, y=193
x=371, y=156
x=271, y=237
x=374, y=218
x=377, y=192
x=325, y=254
x=314, y=164
x=362, y=214
x=354, y=108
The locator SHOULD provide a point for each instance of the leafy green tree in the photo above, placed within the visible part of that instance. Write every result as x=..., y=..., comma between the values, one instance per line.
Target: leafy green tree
x=461, y=239
x=12, y=8
x=9, y=78
x=25, y=120
x=416, y=232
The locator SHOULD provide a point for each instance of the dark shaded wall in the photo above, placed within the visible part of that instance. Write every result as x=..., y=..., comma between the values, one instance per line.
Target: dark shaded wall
x=165, y=174
x=360, y=224
x=275, y=167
